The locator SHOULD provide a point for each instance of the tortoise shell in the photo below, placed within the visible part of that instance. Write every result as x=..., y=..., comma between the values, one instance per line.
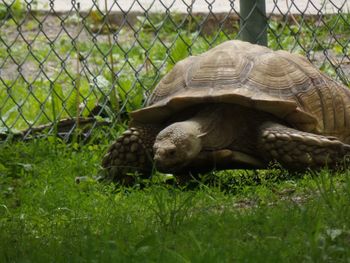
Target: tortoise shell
x=278, y=82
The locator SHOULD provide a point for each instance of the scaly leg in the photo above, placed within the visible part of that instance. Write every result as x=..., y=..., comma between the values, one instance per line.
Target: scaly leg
x=295, y=149
x=130, y=153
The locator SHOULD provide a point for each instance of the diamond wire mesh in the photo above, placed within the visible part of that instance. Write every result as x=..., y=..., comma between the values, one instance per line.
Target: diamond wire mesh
x=81, y=68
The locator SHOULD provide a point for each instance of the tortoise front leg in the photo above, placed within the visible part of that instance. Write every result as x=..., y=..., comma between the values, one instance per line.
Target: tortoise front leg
x=130, y=153
x=295, y=149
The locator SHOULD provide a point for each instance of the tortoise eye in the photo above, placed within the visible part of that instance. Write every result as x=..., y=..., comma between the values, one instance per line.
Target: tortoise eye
x=171, y=152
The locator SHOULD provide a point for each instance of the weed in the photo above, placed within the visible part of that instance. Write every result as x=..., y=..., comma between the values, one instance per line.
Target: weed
x=172, y=207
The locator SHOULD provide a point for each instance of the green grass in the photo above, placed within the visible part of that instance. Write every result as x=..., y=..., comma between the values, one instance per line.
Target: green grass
x=260, y=217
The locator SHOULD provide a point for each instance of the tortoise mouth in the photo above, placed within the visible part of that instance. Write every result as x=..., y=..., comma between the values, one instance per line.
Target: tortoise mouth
x=169, y=166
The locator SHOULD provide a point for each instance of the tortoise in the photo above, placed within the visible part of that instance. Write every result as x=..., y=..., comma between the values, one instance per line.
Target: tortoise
x=238, y=105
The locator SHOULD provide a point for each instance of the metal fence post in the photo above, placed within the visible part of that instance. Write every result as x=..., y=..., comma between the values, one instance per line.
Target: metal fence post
x=253, y=21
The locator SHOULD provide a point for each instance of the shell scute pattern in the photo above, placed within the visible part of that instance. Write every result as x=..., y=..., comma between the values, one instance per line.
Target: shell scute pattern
x=173, y=82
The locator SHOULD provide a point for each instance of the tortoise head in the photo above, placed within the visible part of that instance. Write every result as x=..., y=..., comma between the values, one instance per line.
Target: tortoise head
x=176, y=145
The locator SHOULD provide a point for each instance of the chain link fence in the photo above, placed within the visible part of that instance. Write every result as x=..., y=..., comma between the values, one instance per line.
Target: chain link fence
x=72, y=67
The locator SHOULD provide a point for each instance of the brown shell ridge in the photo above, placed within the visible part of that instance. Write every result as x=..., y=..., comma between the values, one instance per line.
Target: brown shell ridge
x=283, y=109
